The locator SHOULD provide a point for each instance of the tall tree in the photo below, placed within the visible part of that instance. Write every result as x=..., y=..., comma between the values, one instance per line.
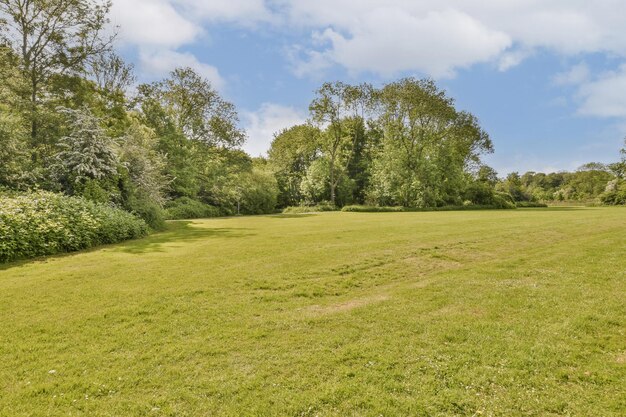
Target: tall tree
x=290, y=155
x=426, y=148
x=111, y=73
x=340, y=108
x=14, y=171
x=195, y=126
x=196, y=108
x=54, y=37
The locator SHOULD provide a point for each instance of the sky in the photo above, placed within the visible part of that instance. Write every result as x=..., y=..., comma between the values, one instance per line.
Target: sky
x=546, y=78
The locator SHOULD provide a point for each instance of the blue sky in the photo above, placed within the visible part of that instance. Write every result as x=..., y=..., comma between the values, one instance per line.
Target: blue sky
x=546, y=78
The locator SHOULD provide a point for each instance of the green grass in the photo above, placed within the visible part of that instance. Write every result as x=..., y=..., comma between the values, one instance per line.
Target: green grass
x=478, y=313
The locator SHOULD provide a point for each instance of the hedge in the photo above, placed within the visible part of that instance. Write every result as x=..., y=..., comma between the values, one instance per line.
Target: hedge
x=310, y=209
x=187, y=208
x=44, y=223
x=397, y=209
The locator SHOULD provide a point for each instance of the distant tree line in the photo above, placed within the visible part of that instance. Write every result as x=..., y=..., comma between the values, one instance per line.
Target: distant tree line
x=406, y=145
x=172, y=148
x=591, y=183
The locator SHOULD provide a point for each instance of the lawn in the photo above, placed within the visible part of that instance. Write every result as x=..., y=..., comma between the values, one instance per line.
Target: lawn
x=486, y=313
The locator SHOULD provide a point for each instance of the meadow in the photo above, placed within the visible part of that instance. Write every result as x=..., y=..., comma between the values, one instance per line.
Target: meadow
x=475, y=313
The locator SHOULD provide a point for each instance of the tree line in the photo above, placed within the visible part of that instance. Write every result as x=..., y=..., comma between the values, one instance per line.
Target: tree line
x=172, y=148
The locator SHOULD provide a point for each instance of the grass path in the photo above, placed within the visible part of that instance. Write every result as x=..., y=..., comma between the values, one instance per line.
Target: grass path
x=504, y=313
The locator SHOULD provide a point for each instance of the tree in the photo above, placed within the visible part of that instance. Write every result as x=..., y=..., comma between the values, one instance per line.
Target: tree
x=427, y=146
x=54, y=37
x=341, y=109
x=145, y=165
x=487, y=175
x=512, y=186
x=258, y=190
x=290, y=155
x=619, y=168
x=86, y=155
x=14, y=172
x=615, y=190
x=111, y=73
x=195, y=108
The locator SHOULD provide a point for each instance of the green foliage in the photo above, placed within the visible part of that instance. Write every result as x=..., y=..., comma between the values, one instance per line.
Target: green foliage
x=321, y=207
x=194, y=108
x=54, y=40
x=615, y=193
x=584, y=185
x=150, y=212
x=373, y=209
x=258, y=192
x=342, y=108
x=145, y=165
x=315, y=185
x=292, y=152
x=13, y=150
x=427, y=146
x=14, y=155
x=86, y=154
x=399, y=209
x=481, y=192
x=187, y=208
x=44, y=223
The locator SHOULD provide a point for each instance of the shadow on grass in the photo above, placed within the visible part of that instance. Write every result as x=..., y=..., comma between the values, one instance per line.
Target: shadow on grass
x=559, y=208
x=177, y=232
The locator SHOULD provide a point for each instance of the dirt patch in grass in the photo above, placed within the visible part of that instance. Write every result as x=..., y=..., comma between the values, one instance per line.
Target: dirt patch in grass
x=348, y=305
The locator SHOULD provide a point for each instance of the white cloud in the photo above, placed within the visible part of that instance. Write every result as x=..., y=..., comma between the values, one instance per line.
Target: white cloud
x=158, y=63
x=153, y=23
x=262, y=124
x=512, y=59
x=386, y=37
x=388, y=41
x=576, y=75
x=434, y=37
x=604, y=97
x=439, y=36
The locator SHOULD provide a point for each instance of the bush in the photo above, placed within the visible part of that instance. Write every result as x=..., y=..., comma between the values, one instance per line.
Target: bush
x=310, y=209
x=187, y=208
x=399, y=209
x=44, y=223
x=615, y=193
x=149, y=211
x=259, y=192
x=373, y=209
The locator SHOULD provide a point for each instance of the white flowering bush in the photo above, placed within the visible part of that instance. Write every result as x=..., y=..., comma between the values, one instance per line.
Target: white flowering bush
x=44, y=223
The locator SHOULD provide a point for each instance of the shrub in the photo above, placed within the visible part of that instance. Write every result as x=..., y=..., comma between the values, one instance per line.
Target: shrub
x=373, y=209
x=310, y=209
x=44, y=223
x=259, y=192
x=149, y=211
x=187, y=208
x=397, y=209
x=615, y=193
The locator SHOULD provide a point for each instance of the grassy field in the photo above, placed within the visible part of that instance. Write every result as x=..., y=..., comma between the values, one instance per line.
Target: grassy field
x=503, y=313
